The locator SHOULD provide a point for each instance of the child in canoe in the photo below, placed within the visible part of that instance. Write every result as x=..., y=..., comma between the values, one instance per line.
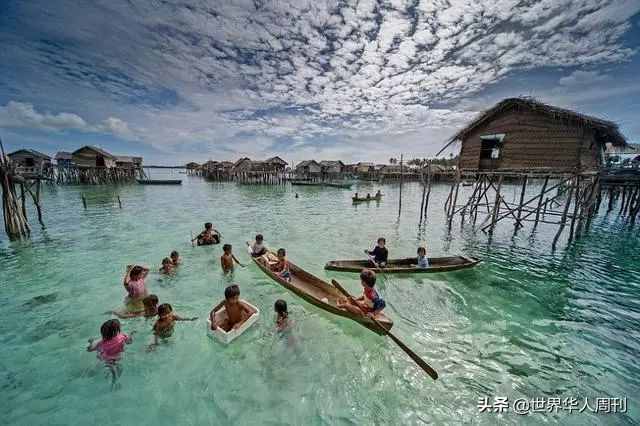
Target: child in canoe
x=134, y=284
x=370, y=303
x=227, y=259
x=422, y=260
x=378, y=256
x=163, y=328
x=167, y=267
x=209, y=236
x=237, y=311
x=257, y=248
x=281, y=265
x=111, y=346
x=175, y=258
x=150, y=304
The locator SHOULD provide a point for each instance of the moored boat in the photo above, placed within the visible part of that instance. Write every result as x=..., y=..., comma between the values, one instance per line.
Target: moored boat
x=338, y=185
x=320, y=293
x=406, y=266
x=159, y=181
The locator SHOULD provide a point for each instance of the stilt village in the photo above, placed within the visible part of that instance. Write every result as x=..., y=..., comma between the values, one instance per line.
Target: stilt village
x=568, y=167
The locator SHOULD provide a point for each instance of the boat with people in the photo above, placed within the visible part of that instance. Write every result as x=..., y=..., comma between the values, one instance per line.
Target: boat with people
x=407, y=266
x=319, y=293
x=368, y=198
x=159, y=181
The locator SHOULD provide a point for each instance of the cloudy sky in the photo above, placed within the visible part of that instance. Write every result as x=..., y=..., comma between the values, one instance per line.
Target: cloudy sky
x=358, y=80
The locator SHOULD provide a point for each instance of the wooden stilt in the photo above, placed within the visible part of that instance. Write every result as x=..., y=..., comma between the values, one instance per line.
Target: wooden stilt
x=524, y=189
x=563, y=220
x=544, y=187
x=496, y=206
x=575, y=207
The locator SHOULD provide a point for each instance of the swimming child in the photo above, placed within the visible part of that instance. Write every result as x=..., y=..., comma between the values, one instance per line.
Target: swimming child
x=370, y=303
x=163, y=328
x=111, y=346
x=150, y=304
x=175, y=258
x=237, y=311
x=257, y=249
x=209, y=236
x=282, y=315
x=167, y=266
x=423, y=260
x=378, y=194
x=281, y=266
x=227, y=259
x=134, y=282
x=378, y=256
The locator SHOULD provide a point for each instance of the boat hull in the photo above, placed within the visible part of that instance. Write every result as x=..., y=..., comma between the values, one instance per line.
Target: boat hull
x=406, y=266
x=159, y=182
x=321, y=294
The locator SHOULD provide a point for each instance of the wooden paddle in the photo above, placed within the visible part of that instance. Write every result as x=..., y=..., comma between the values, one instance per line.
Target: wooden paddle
x=426, y=367
x=192, y=240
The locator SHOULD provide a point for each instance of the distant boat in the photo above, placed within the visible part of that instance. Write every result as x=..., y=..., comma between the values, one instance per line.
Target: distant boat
x=329, y=184
x=338, y=185
x=159, y=181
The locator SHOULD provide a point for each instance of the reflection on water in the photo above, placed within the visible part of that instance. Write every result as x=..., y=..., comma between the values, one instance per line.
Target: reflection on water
x=524, y=323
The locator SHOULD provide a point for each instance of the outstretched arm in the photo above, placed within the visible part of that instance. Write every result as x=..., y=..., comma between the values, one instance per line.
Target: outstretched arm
x=179, y=318
x=93, y=345
x=237, y=261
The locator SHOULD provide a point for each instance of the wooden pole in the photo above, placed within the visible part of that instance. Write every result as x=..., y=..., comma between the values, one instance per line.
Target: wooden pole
x=84, y=201
x=496, y=205
x=544, y=187
x=119, y=202
x=575, y=207
x=401, y=180
x=426, y=201
x=424, y=195
x=452, y=206
x=564, y=216
x=524, y=189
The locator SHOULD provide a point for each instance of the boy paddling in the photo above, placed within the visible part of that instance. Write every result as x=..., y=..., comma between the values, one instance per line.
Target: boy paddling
x=370, y=303
x=378, y=256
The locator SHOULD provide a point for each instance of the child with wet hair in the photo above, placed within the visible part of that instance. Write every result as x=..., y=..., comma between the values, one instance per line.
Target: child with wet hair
x=150, y=304
x=175, y=258
x=163, y=328
x=134, y=281
x=167, y=267
x=111, y=347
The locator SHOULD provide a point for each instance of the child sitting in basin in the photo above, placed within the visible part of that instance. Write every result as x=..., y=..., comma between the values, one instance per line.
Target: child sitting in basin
x=370, y=303
x=163, y=328
x=228, y=258
x=237, y=312
x=423, y=260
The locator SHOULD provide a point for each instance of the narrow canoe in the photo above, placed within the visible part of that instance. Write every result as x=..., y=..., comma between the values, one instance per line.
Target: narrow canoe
x=363, y=200
x=406, y=266
x=338, y=185
x=159, y=181
x=320, y=293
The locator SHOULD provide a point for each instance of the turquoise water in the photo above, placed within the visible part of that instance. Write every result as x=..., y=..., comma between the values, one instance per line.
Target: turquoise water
x=525, y=323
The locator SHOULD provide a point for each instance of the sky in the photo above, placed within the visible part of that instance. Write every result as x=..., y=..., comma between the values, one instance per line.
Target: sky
x=193, y=80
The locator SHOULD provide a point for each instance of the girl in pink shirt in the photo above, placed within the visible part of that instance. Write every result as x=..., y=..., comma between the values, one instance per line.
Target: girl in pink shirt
x=110, y=347
x=134, y=282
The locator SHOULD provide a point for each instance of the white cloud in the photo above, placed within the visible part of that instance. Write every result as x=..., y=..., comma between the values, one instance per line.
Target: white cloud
x=582, y=78
x=24, y=115
x=191, y=72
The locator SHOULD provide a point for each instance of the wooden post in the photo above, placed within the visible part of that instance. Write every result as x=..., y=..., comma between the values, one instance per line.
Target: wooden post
x=544, y=187
x=496, y=206
x=524, y=189
x=401, y=180
x=575, y=207
x=424, y=194
x=563, y=219
x=426, y=201
x=452, y=206
x=119, y=202
x=84, y=201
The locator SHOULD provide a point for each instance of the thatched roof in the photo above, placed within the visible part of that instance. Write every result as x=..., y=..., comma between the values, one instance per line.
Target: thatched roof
x=31, y=152
x=607, y=130
x=100, y=151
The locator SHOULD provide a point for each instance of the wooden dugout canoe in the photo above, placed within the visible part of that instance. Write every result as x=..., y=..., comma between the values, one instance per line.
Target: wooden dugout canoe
x=406, y=266
x=364, y=200
x=159, y=181
x=320, y=293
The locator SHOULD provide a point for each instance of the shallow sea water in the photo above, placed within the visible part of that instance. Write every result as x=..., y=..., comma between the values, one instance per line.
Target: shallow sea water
x=525, y=323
